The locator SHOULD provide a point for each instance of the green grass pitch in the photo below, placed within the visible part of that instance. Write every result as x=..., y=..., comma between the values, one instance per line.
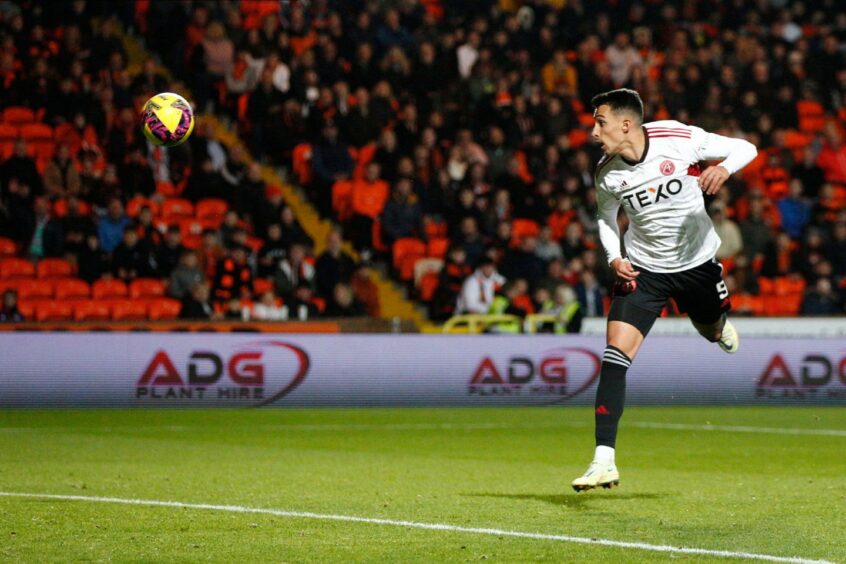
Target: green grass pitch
x=768, y=481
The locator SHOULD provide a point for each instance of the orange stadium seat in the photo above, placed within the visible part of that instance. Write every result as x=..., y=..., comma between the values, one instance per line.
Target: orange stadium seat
x=262, y=285
x=428, y=286
x=522, y=228
x=35, y=289
x=13, y=267
x=211, y=208
x=301, y=164
x=133, y=206
x=60, y=208
x=18, y=115
x=91, y=310
x=9, y=285
x=106, y=288
x=438, y=247
x=342, y=199
x=425, y=266
x=28, y=307
x=406, y=269
x=163, y=308
x=128, y=310
x=406, y=246
x=7, y=247
x=54, y=268
x=39, y=138
x=435, y=229
x=8, y=135
x=177, y=208
x=146, y=288
x=71, y=289
x=54, y=311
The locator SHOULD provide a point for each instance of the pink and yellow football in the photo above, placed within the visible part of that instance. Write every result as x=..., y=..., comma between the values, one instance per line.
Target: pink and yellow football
x=168, y=119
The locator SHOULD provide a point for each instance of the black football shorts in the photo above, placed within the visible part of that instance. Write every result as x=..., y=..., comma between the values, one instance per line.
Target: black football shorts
x=700, y=292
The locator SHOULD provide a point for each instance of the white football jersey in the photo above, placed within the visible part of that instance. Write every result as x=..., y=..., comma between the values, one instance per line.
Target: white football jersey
x=669, y=229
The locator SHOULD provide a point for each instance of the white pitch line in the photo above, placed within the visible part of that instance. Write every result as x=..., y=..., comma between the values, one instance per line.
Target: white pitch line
x=447, y=427
x=740, y=429
x=426, y=526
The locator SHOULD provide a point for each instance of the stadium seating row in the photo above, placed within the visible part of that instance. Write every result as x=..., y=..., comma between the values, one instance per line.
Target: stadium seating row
x=112, y=309
x=76, y=289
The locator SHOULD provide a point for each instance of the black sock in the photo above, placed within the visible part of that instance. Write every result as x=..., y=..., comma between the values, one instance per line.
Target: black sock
x=610, y=395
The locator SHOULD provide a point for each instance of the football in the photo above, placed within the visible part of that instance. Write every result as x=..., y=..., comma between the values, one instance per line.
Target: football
x=167, y=119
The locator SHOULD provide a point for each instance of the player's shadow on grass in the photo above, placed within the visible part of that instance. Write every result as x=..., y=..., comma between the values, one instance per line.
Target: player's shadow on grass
x=572, y=500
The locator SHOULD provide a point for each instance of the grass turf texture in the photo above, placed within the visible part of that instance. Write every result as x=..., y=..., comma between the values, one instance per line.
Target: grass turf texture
x=777, y=494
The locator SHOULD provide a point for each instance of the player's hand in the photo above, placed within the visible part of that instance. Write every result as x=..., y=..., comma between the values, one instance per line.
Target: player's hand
x=713, y=179
x=624, y=270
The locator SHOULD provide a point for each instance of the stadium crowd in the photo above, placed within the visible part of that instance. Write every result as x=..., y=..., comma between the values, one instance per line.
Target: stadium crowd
x=450, y=138
x=97, y=223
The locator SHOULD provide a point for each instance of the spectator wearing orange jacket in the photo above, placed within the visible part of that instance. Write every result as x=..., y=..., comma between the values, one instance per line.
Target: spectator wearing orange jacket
x=369, y=196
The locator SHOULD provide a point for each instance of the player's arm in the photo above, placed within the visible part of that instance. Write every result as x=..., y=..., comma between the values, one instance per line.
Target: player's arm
x=735, y=154
x=609, y=234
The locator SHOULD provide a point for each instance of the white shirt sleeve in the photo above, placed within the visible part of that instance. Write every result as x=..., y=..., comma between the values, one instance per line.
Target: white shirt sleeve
x=736, y=153
x=472, y=300
x=606, y=216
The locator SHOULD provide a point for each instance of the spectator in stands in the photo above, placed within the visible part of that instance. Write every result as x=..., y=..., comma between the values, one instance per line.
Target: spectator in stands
x=506, y=302
x=302, y=304
x=48, y=237
x=20, y=166
x=211, y=251
x=135, y=174
x=185, y=276
x=293, y=270
x=343, y=303
x=477, y=291
x=523, y=262
x=233, y=277
x=731, y=242
x=292, y=231
x=369, y=196
x=272, y=252
x=267, y=308
x=331, y=162
x=836, y=250
x=450, y=280
x=111, y=226
x=832, y=157
x=547, y=248
x=76, y=225
x=334, y=265
x=197, y=304
x=402, y=215
x=471, y=241
x=590, y=295
x=365, y=290
x=131, y=259
x=10, y=312
x=795, y=210
x=93, y=262
x=167, y=254
x=567, y=309
x=754, y=231
x=821, y=300
x=61, y=176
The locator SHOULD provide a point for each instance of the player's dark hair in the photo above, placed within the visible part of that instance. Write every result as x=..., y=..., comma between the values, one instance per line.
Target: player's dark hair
x=620, y=99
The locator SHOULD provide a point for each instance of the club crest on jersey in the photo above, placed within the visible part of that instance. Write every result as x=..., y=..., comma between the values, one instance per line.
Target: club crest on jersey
x=667, y=168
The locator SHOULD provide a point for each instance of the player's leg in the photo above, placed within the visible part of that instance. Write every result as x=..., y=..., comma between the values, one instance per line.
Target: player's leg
x=706, y=300
x=630, y=319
